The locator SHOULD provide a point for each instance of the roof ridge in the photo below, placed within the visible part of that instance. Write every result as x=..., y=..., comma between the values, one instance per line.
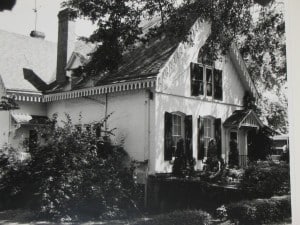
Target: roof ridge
x=27, y=37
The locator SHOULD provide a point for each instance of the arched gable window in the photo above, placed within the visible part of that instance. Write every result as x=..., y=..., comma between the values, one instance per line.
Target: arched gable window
x=206, y=80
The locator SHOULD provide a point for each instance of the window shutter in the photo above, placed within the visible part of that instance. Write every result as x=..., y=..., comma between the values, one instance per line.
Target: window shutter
x=168, y=136
x=194, y=83
x=218, y=89
x=188, y=126
x=196, y=79
x=98, y=130
x=200, y=138
x=218, y=136
x=209, y=84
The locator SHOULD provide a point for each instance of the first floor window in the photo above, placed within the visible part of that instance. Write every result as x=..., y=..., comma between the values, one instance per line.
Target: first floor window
x=177, y=130
x=208, y=128
x=178, y=127
x=208, y=134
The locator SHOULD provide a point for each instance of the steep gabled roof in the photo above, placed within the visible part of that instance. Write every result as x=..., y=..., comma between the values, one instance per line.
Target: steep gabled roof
x=18, y=52
x=145, y=61
x=240, y=118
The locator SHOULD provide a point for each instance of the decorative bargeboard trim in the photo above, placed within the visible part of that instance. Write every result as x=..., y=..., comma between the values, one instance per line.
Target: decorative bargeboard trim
x=110, y=88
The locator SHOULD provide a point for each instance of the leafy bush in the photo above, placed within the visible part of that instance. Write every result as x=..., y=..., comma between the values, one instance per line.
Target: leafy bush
x=188, y=217
x=260, y=144
x=233, y=154
x=74, y=173
x=13, y=178
x=260, y=211
x=183, y=165
x=265, y=179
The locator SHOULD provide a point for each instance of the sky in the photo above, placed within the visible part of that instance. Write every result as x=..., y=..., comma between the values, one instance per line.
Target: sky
x=21, y=19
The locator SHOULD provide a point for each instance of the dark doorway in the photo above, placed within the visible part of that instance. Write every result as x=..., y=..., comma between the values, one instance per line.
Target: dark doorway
x=233, y=151
x=33, y=138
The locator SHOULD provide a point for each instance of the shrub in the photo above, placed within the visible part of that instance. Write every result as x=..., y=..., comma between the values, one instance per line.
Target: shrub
x=187, y=217
x=13, y=178
x=183, y=164
x=260, y=144
x=260, y=211
x=76, y=174
x=266, y=179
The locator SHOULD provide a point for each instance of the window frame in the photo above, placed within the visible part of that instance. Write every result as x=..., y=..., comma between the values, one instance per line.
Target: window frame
x=205, y=82
x=211, y=121
x=182, y=128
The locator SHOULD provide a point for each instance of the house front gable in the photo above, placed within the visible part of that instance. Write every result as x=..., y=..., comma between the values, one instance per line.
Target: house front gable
x=174, y=95
x=175, y=77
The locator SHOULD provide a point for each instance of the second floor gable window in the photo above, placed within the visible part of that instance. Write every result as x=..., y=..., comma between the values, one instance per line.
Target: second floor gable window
x=206, y=81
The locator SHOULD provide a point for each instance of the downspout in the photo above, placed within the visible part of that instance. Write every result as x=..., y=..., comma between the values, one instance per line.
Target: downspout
x=148, y=125
x=106, y=102
x=149, y=98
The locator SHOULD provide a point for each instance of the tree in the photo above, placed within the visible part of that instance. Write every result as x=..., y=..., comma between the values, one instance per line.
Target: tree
x=8, y=103
x=7, y=4
x=260, y=35
x=73, y=173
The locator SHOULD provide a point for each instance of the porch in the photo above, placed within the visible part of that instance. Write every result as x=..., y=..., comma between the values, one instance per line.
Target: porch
x=237, y=128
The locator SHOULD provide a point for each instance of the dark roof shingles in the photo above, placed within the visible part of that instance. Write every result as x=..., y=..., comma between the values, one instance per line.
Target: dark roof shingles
x=146, y=60
x=236, y=118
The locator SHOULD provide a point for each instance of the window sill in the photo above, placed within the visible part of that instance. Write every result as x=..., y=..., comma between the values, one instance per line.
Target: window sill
x=205, y=98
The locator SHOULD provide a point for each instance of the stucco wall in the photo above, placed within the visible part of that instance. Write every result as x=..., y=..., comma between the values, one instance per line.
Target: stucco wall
x=173, y=94
x=91, y=109
x=130, y=116
x=4, y=122
x=4, y=127
x=32, y=108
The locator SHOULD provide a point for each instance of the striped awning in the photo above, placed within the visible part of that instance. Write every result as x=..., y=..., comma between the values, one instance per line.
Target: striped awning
x=21, y=118
x=24, y=118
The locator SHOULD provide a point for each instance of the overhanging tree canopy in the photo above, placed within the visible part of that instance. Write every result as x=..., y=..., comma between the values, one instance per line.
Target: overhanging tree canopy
x=258, y=30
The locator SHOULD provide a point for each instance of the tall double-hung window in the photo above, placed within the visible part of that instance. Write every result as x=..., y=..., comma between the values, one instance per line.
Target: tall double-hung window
x=208, y=128
x=206, y=81
x=178, y=126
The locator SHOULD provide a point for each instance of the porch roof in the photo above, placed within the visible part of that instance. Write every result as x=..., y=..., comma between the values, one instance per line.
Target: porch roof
x=243, y=118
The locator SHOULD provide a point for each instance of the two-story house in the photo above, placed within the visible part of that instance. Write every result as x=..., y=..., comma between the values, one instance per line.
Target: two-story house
x=159, y=95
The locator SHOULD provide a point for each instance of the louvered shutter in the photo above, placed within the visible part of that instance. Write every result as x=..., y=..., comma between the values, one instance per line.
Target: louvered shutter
x=218, y=136
x=196, y=79
x=218, y=86
x=194, y=83
x=168, y=136
x=200, y=126
x=188, y=126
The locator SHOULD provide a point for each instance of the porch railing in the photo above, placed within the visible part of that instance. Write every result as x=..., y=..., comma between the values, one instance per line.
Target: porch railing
x=243, y=160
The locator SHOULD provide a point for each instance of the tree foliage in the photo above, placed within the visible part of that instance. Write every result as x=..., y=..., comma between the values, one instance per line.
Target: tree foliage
x=259, y=32
x=8, y=103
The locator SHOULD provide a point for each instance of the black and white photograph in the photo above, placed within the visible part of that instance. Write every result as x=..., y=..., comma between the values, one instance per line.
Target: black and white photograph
x=147, y=112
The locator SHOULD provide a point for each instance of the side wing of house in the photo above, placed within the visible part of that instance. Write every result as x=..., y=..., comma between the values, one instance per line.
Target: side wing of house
x=4, y=119
x=192, y=101
x=129, y=112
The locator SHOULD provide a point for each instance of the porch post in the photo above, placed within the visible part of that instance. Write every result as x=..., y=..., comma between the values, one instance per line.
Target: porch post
x=243, y=150
x=246, y=147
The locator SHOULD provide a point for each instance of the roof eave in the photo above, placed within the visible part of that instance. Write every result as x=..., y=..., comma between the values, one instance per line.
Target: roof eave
x=240, y=65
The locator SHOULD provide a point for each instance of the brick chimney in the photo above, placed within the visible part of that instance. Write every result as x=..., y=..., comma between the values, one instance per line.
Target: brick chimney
x=65, y=43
